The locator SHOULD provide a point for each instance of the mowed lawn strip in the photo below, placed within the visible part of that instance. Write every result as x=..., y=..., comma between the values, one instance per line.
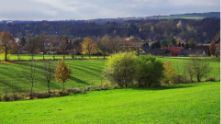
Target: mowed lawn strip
x=184, y=103
x=16, y=75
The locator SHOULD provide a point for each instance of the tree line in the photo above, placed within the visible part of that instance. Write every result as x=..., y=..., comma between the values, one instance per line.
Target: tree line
x=105, y=45
x=53, y=45
x=200, y=31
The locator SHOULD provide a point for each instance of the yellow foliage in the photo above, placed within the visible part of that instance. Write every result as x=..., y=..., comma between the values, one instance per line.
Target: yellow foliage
x=168, y=72
x=62, y=72
x=88, y=46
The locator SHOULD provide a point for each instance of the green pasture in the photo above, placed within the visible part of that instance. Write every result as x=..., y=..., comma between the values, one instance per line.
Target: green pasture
x=197, y=103
x=15, y=75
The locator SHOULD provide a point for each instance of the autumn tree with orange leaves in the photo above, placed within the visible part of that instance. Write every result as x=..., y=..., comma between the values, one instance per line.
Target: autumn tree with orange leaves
x=89, y=47
x=62, y=72
x=6, y=43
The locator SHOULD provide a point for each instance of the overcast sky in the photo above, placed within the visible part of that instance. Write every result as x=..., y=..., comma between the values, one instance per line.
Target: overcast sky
x=90, y=9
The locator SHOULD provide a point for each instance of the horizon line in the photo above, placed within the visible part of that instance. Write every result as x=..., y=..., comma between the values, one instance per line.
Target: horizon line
x=100, y=18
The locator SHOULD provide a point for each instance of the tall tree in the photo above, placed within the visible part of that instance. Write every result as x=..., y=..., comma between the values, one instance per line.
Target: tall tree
x=32, y=45
x=6, y=43
x=63, y=45
x=89, y=47
x=75, y=47
x=200, y=68
x=104, y=44
x=42, y=45
x=115, y=44
x=48, y=73
x=214, y=48
x=53, y=45
x=32, y=76
x=20, y=47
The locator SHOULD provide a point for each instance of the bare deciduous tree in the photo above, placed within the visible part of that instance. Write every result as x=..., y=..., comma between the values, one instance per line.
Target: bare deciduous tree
x=32, y=46
x=32, y=76
x=198, y=67
x=48, y=73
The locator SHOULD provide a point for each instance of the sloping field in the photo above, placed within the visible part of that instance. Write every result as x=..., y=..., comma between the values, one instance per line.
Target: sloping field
x=15, y=76
x=184, y=104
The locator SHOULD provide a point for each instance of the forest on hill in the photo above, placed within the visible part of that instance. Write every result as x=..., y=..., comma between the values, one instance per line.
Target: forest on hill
x=196, y=28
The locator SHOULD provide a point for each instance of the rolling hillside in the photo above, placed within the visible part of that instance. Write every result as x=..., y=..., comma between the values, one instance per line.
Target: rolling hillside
x=191, y=103
x=84, y=73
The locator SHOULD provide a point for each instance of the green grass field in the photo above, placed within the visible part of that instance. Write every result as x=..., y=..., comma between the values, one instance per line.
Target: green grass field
x=197, y=103
x=179, y=65
x=14, y=57
x=14, y=76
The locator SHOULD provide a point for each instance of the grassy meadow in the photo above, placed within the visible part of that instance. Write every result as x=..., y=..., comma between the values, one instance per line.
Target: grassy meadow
x=15, y=75
x=180, y=62
x=179, y=103
x=183, y=103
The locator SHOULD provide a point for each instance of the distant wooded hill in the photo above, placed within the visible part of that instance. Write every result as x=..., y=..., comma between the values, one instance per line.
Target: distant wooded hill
x=190, y=16
x=197, y=27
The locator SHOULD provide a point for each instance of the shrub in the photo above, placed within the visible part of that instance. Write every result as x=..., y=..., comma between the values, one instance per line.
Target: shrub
x=6, y=98
x=211, y=79
x=18, y=96
x=106, y=86
x=92, y=88
x=189, y=70
x=63, y=93
x=74, y=90
x=126, y=68
x=13, y=97
x=41, y=95
x=168, y=73
x=177, y=79
x=120, y=68
x=199, y=67
x=149, y=71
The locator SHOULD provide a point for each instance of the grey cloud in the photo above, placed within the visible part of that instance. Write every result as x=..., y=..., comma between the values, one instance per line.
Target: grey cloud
x=87, y=9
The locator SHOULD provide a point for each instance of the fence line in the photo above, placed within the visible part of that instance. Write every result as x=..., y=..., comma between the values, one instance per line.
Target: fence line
x=26, y=57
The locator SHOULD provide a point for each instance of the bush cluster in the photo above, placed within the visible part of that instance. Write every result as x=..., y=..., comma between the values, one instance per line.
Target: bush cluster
x=211, y=79
x=149, y=72
x=198, y=68
x=195, y=68
x=128, y=70
x=121, y=69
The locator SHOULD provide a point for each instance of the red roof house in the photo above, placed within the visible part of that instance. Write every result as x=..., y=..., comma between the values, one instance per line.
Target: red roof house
x=174, y=50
